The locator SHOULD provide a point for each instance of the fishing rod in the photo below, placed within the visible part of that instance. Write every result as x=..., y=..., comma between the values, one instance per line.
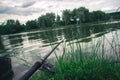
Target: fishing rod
x=40, y=63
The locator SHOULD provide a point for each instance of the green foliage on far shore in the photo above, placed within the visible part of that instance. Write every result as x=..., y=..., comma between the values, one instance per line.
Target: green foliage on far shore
x=69, y=17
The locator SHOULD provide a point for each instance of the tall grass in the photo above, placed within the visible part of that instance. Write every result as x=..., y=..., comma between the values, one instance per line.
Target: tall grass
x=82, y=63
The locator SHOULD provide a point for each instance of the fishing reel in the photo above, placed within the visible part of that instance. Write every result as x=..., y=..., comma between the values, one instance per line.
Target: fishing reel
x=41, y=63
x=48, y=67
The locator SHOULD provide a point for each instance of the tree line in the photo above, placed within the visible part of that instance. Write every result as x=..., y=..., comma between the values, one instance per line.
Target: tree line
x=69, y=17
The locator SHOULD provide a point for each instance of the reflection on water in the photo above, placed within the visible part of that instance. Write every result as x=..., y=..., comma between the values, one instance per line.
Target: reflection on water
x=28, y=47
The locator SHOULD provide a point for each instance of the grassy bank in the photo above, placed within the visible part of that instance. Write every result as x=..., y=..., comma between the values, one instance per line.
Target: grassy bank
x=97, y=69
x=82, y=64
x=87, y=69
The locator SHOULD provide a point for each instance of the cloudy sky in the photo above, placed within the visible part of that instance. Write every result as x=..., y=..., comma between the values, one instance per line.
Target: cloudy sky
x=24, y=10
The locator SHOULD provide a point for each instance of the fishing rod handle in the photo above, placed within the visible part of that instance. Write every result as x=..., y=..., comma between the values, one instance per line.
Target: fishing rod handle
x=30, y=72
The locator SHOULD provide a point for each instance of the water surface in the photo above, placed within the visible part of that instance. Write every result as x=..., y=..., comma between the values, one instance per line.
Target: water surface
x=25, y=48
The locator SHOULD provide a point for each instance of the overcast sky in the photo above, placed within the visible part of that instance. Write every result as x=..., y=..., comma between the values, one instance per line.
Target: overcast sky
x=24, y=10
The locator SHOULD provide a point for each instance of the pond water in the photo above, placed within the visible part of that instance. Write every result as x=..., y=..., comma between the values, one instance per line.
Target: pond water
x=25, y=48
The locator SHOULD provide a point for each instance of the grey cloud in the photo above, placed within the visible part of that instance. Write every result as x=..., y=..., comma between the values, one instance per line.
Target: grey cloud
x=4, y=9
x=50, y=6
x=19, y=11
x=65, y=0
x=21, y=8
x=28, y=4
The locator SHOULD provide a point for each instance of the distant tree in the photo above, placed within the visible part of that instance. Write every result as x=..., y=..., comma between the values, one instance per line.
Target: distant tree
x=78, y=15
x=19, y=27
x=97, y=15
x=91, y=17
x=32, y=24
x=2, y=31
x=74, y=16
x=50, y=19
x=83, y=14
x=10, y=26
x=66, y=16
x=41, y=21
x=114, y=15
x=57, y=19
x=46, y=20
